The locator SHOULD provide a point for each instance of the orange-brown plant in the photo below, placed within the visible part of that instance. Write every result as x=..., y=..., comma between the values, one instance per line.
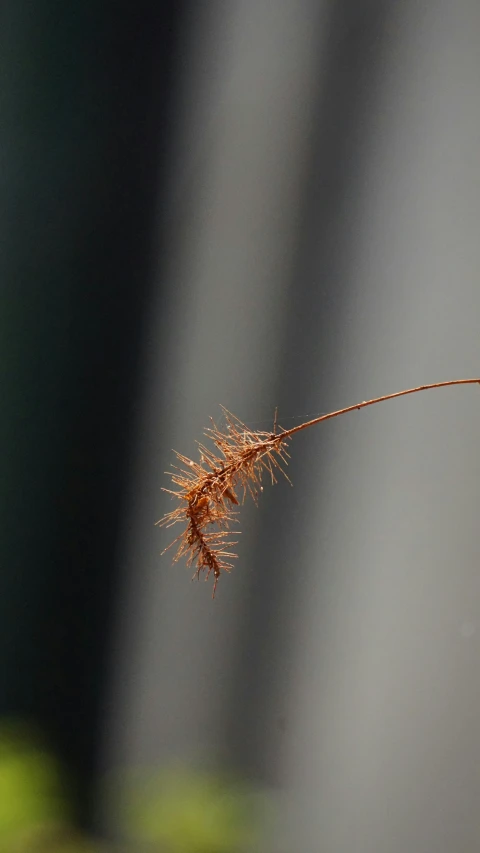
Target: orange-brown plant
x=208, y=490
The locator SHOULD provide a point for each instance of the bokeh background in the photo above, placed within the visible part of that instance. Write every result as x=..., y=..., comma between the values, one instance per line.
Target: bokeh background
x=255, y=204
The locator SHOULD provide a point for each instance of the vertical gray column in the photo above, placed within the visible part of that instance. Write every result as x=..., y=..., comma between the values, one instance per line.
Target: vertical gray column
x=383, y=751
x=242, y=139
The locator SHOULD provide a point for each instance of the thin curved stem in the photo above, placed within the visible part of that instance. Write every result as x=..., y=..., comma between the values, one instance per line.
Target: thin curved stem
x=375, y=400
x=206, y=490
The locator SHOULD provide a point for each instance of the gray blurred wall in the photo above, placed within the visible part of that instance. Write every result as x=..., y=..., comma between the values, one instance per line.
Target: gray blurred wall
x=323, y=248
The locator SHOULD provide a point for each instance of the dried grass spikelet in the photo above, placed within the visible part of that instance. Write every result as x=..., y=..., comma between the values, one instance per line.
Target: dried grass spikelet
x=207, y=490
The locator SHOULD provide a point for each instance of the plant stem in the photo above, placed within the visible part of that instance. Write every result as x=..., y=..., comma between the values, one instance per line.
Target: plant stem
x=375, y=400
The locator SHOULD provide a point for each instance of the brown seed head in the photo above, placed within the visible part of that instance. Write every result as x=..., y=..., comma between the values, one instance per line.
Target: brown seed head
x=207, y=489
x=207, y=492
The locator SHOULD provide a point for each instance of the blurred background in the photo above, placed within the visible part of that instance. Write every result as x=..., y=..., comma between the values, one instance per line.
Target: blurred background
x=255, y=204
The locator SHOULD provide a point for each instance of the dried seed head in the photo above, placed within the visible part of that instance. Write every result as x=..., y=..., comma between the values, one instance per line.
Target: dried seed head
x=207, y=492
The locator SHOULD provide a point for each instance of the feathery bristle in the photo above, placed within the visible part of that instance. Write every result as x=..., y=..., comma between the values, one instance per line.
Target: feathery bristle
x=207, y=489
x=207, y=492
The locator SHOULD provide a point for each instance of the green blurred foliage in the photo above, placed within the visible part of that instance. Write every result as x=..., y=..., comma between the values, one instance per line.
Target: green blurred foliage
x=180, y=810
x=177, y=810
x=35, y=808
x=31, y=798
